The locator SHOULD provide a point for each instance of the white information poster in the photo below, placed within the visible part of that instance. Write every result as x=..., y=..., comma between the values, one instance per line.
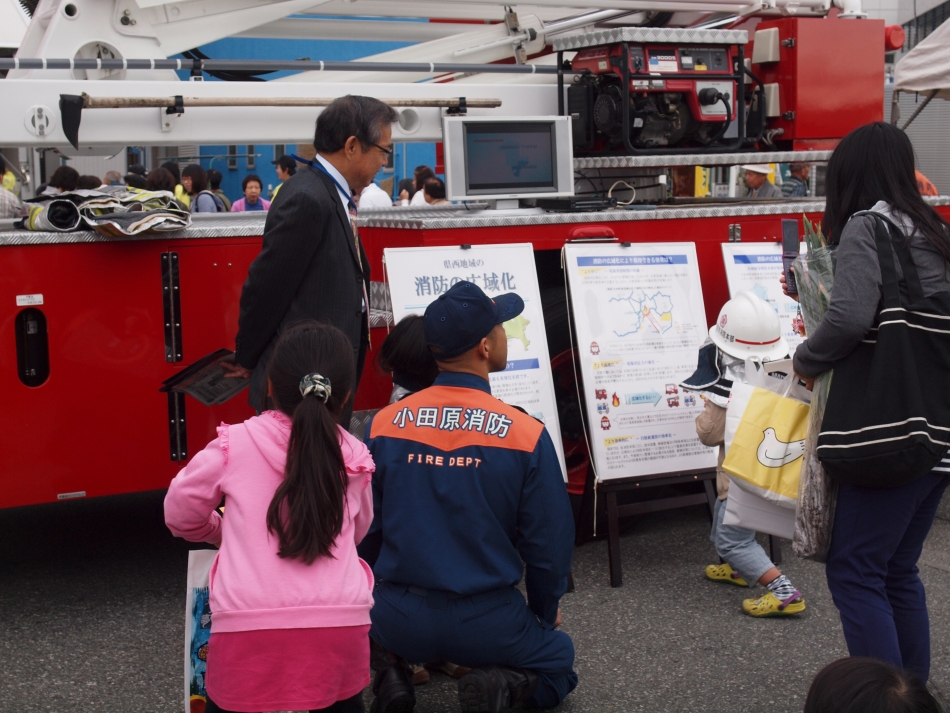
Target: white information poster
x=417, y=276
x=756, y=267
x=639, y=320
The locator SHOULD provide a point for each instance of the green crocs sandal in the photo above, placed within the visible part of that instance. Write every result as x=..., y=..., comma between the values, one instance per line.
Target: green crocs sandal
x=770, y=605
x=724, y=573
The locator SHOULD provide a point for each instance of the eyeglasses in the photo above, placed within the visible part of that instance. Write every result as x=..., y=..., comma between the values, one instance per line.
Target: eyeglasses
x=388, y=152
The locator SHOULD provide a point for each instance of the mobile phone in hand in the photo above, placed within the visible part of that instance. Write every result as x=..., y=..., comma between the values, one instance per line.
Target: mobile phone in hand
x=791, y=244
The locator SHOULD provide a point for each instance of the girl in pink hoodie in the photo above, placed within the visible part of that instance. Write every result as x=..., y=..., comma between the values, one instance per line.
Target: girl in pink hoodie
x=290, y=598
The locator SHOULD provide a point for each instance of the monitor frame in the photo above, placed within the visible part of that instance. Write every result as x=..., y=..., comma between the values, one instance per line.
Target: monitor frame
x=456, y=174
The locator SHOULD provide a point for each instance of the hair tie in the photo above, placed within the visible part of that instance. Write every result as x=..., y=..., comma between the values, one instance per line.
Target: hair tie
x=315, y=384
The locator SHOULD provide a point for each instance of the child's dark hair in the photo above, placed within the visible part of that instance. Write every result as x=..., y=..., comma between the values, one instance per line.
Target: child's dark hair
x=306, y=513
x=405, y=354
x=865, y=685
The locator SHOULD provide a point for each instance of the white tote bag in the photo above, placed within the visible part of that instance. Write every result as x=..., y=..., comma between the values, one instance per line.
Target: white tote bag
x=765, y=431
x=197, y=628
x=743, y=509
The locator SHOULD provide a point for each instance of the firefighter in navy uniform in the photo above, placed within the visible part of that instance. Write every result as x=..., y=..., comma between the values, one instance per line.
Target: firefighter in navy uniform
x=468, y=492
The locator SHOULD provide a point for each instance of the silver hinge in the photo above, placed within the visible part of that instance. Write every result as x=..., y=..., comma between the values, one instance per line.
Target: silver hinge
x=789, y=116
x=789, y=42
x=735, y=233
x=177, y=433
x=171, y=307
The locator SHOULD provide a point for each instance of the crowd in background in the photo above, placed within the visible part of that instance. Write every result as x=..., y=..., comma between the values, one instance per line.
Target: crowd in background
x=199, y=190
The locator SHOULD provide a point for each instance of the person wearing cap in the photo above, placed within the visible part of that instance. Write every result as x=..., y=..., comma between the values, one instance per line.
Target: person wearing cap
x=286, y=167
x=468, y=493
x=797, y=184
x=747, y=327
x=757, y=179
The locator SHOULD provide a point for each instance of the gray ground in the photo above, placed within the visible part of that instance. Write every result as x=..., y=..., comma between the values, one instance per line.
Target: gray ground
x=92, y=611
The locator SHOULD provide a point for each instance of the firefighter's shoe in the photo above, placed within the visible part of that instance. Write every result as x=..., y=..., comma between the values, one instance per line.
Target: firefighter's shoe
x=493, y=689
x=725, y=573
x=770, y=605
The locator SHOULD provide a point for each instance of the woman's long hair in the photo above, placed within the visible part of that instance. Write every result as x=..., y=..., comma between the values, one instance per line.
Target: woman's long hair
x=306, y=513
x=875, y=163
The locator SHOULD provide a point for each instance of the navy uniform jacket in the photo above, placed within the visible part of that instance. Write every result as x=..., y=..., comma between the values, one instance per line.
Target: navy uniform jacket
x=466, y=488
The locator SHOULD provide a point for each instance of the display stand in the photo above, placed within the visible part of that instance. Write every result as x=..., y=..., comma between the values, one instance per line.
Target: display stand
x=612, y=488
x=615, y=511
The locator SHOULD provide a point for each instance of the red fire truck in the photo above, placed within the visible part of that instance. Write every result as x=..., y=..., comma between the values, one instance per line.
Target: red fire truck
x=90, y=326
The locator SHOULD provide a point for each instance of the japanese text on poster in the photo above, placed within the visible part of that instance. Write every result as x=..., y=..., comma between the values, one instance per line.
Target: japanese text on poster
x=756, y=267
x=639, y=319
x=417, y=276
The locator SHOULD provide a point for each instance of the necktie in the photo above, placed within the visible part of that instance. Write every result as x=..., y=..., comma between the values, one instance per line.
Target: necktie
x=351, y=209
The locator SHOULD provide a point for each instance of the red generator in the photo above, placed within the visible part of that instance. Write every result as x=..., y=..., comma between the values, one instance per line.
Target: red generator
x=661, y=90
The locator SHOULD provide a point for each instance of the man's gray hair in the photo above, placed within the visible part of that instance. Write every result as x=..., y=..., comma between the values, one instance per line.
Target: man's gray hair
x=352, y=115
x=794, y=167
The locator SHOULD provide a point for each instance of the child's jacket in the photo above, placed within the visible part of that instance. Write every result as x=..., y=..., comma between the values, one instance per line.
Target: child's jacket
x=251, y=587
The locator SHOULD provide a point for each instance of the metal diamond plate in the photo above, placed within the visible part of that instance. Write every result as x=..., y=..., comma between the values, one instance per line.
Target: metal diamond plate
x=225, y=225
x=702, y=159
x=484, y=219
x=455, y=217
x=677, y=35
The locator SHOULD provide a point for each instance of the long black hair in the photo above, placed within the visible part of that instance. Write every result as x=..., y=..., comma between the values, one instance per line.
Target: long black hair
x=865, y=685
x=405, y=354
x=306, y=513
x=875, y=162
x=199, y=179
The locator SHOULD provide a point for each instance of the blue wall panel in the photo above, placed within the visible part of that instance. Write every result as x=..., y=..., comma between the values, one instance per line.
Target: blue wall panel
x=408, y=156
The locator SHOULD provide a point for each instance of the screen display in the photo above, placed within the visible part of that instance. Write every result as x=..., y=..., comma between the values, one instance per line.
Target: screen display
x=509, y=156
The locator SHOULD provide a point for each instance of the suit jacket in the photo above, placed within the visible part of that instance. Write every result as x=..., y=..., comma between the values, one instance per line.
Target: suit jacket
x=307, y=269
x=766, y=190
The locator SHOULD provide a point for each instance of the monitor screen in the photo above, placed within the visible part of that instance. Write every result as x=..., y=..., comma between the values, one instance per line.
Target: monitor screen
x=510, y=156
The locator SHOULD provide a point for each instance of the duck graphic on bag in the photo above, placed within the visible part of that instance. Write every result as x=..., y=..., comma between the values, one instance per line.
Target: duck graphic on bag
x=773, y=453
x=765, y=443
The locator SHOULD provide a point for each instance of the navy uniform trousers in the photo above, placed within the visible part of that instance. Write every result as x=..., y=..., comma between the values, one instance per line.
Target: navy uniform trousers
x=495, y=628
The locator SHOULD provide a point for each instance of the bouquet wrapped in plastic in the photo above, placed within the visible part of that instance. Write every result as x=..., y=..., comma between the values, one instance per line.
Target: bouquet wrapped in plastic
x=817, y=493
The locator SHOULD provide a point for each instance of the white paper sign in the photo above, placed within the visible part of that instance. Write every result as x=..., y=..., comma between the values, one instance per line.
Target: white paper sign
x=756, y=267
x=28, y=300
x=639, y=320
x=417, y=276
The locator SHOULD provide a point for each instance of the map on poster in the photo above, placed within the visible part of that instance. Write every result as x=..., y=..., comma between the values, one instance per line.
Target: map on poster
x=419, y=275
x=639, y=319
x=756, y=267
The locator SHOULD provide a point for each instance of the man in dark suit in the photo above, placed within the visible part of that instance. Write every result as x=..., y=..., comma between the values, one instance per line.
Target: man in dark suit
x=312, y=265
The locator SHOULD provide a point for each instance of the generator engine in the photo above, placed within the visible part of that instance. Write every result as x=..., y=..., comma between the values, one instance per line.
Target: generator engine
x=682, y=89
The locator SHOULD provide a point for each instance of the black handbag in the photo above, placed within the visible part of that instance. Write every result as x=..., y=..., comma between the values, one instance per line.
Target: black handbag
x=887, y=422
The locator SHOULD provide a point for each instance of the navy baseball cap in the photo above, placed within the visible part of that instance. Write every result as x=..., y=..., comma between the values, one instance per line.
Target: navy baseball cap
x=464, y=315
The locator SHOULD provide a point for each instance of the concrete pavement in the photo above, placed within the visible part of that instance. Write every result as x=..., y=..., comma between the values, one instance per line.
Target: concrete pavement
x=92, y=605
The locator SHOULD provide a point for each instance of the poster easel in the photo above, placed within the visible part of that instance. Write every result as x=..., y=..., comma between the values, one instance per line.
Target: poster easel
x=612, y=488
x=640, y=321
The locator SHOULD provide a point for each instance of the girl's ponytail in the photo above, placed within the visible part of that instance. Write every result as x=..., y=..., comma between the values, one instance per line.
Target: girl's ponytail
x=311, y=376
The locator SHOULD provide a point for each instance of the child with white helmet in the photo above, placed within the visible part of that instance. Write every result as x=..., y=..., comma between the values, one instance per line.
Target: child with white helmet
x=747, y=327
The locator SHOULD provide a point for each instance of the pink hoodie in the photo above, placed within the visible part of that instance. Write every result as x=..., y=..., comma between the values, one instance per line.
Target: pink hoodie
x=251, y=587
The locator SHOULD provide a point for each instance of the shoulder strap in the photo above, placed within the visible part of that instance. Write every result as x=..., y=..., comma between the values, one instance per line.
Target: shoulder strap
x=884, y=238
x=892, y=294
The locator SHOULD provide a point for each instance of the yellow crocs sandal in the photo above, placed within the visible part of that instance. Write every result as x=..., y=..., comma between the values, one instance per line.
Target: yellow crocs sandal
x=770, y=605
x=724, y=573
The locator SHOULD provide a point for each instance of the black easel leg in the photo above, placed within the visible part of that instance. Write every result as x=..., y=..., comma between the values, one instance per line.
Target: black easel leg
x=775, y=550
x=613, y=540
x=711, y=495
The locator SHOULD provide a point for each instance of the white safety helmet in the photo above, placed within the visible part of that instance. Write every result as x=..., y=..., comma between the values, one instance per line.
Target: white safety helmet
x=748, y=327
